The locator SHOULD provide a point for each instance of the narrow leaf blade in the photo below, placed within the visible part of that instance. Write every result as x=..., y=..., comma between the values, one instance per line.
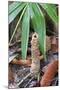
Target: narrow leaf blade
x=39, y=25
x=12, y=15
x=25, y=33
x=13, y=6
x=51, y=11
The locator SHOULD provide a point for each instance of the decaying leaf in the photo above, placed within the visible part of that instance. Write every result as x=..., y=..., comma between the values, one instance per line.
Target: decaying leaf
x=10, y=74
x=48, y=43
x=54, y=44
x=49, y=73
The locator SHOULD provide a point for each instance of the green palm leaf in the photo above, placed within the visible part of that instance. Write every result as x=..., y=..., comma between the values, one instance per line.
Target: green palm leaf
x=51, y=11
x=25, y=32
x=38, y=22
x=13, y=6
x=16, y=12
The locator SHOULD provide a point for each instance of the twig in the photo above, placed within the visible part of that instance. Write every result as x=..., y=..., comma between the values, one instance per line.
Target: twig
x=23, y=79
x=52, y=32
x=28, y=82
x=12, y=44
x=22, y=62
x=19, y=49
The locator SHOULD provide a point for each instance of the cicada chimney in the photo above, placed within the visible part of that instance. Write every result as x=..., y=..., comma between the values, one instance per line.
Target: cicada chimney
x=35, y=66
